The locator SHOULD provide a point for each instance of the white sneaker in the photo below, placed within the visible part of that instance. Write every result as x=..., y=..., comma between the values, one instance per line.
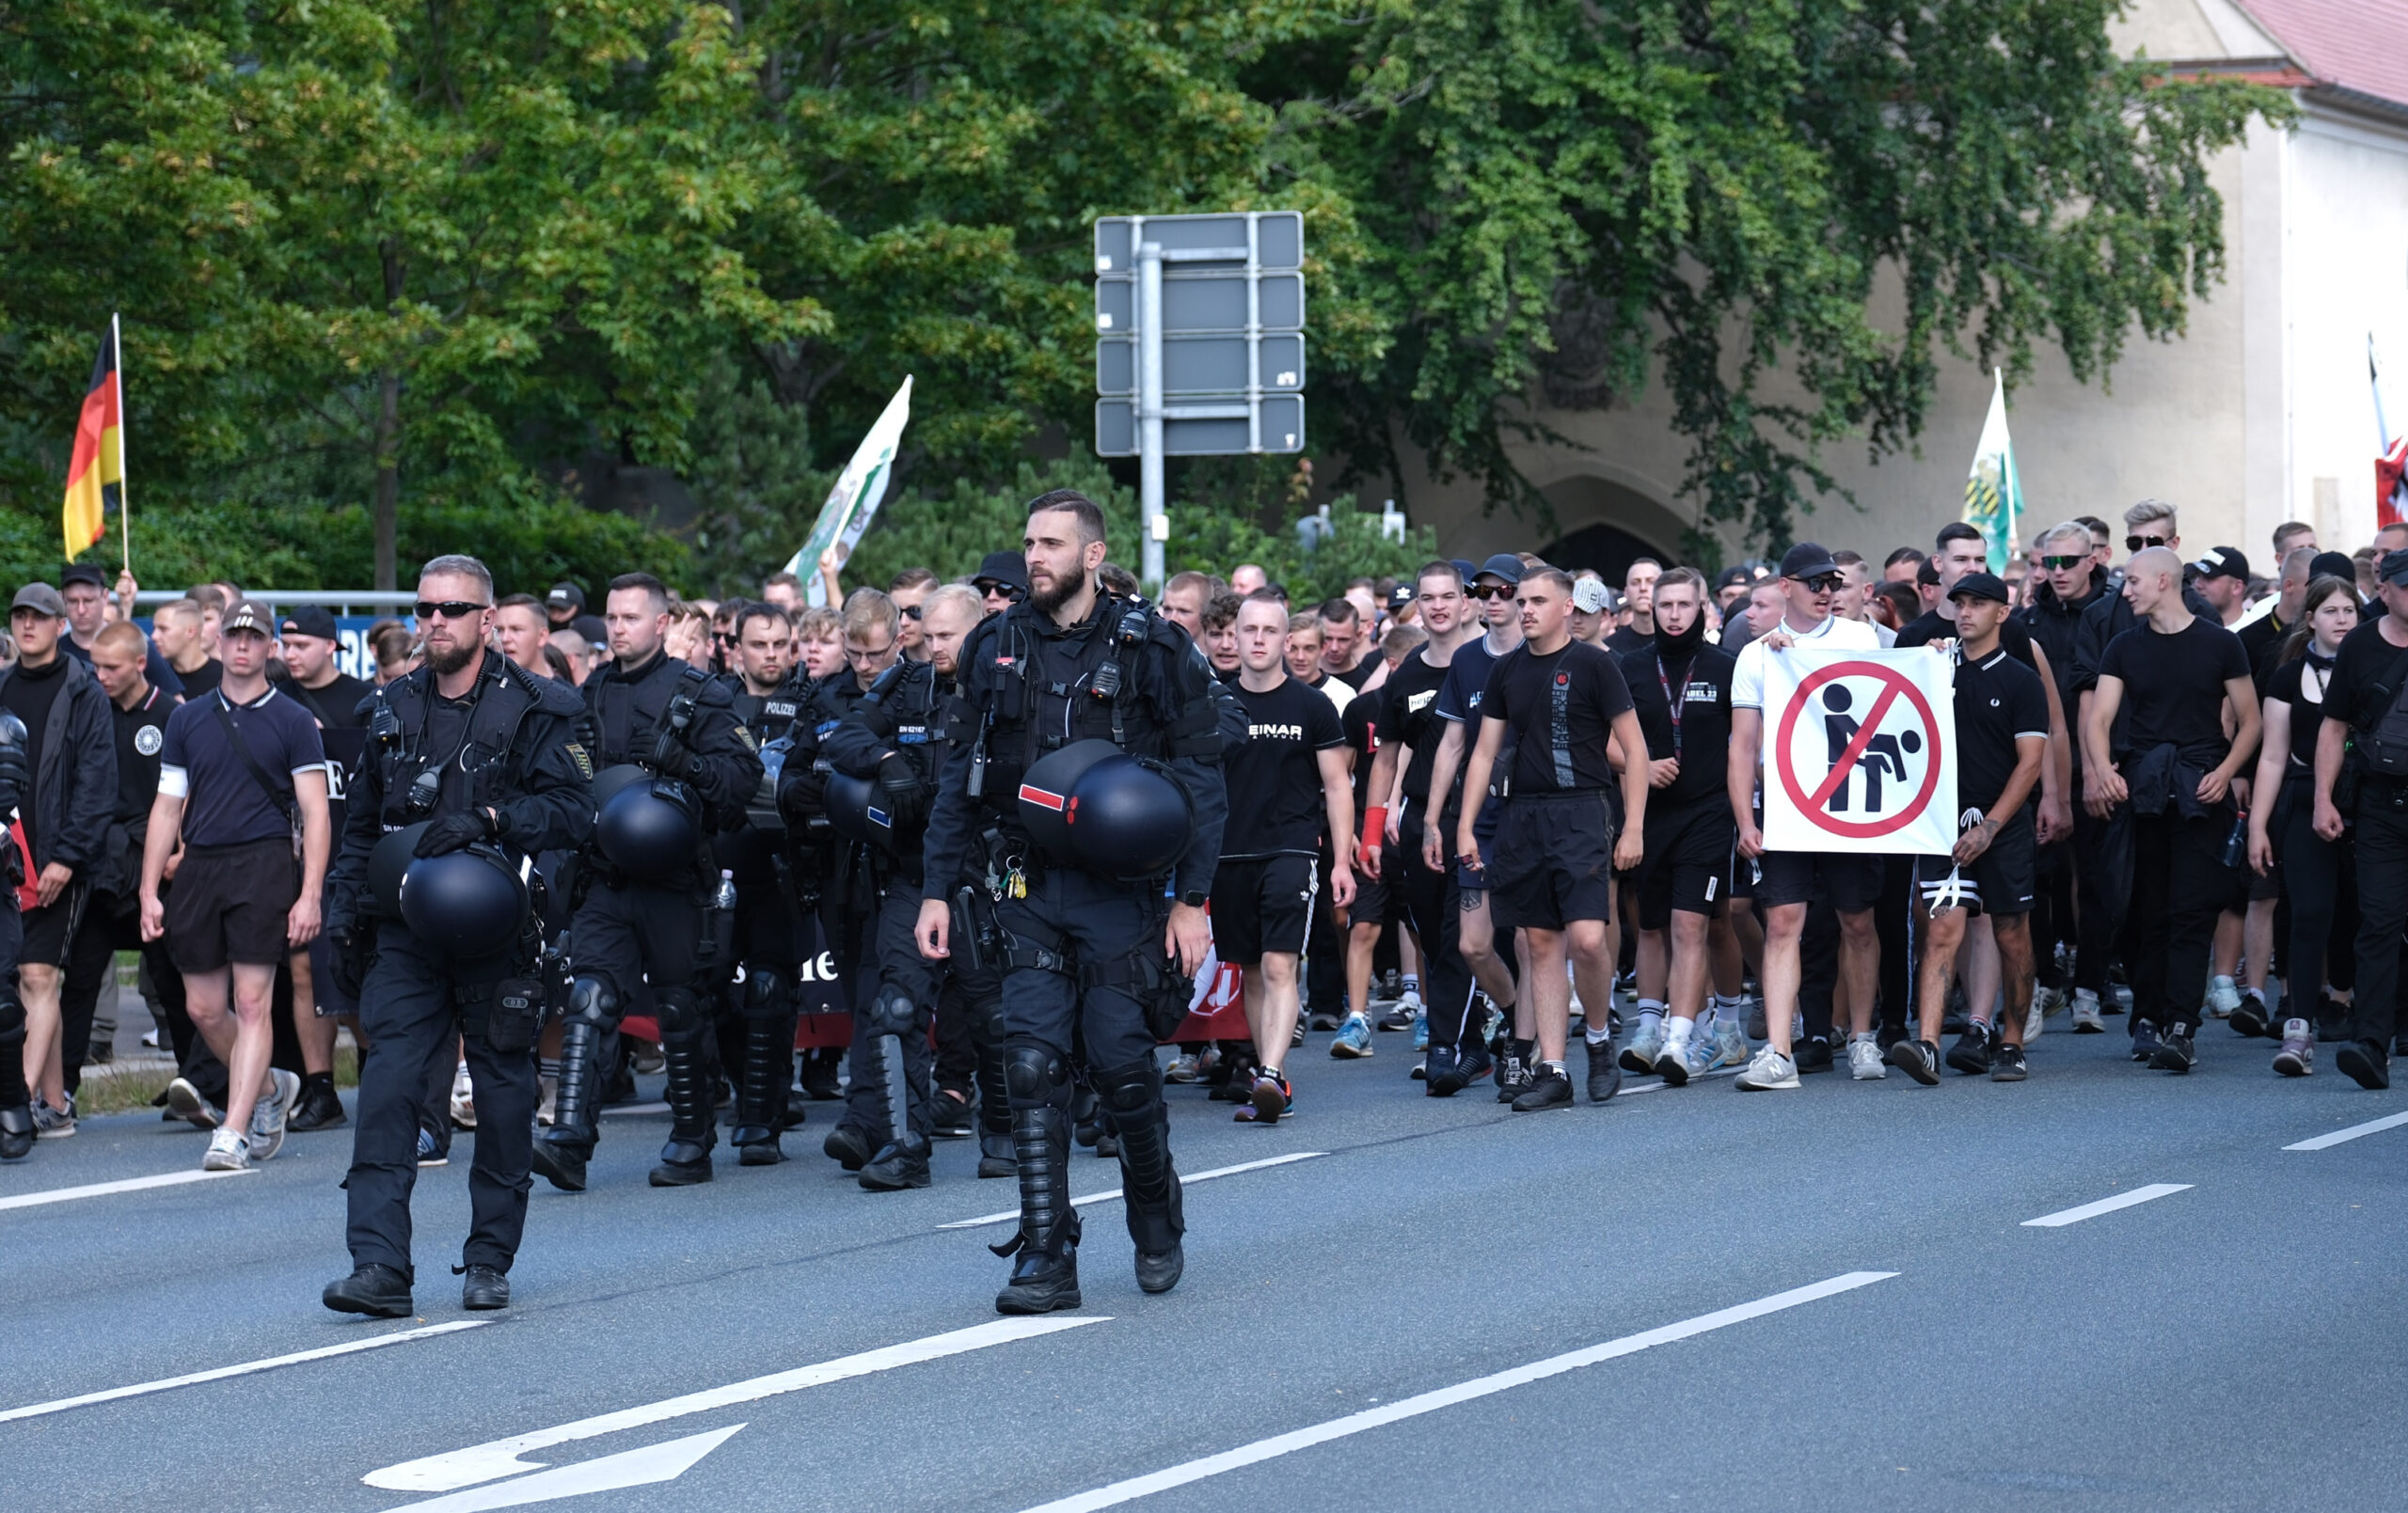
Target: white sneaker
x=464, y=1098
x=1727, y=1048
x=228, y=1152
x=2085, y=1012
x=1644, y=1049
x=187, y=1103
x=2033, y=1021
x=1768, y=1071
x=1182, y=1068
x=1865, y=1061
x=267, y=1116
x=2047, y=1000
x=543, y=1108
x=2224, y=995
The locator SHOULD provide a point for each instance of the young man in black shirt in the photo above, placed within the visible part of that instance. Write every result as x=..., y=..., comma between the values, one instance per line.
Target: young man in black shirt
x=1680, y=686
x=1639, y=594
x=1369, y=915
x=2002, y=742
x=1286, y=783
x=2364, y=706
x=2173, y=672
x=1556, y=853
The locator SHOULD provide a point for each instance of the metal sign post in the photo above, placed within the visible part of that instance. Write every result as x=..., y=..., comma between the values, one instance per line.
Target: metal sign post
x=1204, y=358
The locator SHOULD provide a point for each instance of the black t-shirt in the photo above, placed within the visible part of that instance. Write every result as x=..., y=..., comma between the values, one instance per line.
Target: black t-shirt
x=1275, y=779
x=1359, y=674
x=140, y=732
x=2262, y=638
x=31, y=695
x=1409, y=712
x=1999, y=700
x=336, y=706
x=1699, y=685
x=1629, y=638
x=1360, y=720
x=2294, y=683
x=1560, y=708
x=2174, y=684
x=1932, y=625
x=203, y=679
x=2366, y=657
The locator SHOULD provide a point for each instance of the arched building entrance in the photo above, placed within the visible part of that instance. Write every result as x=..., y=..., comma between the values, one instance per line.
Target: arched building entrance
x=1607, y=525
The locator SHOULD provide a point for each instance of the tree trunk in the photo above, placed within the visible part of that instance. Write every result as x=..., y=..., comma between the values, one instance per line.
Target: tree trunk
x=388, y=477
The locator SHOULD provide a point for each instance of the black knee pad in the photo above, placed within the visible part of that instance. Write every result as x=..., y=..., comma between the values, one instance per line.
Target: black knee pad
x=591, y=1002
x=1129, y=1089
x=987, y=1026
x=892, y=1012
x=768, y=994
x=681, y=1013
x=1036, y=1075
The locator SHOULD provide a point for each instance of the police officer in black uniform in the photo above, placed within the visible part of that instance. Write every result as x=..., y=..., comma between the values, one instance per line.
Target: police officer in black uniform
x=473, y=767
x=1090, y=945
x=769, y=923
x=675, y=765
x=887, y=755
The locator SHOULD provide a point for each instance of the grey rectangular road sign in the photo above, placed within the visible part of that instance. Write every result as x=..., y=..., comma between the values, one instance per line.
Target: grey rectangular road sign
x=1278, y=240
x=1209, y=301
x=1206, y=429
x=1207, y=365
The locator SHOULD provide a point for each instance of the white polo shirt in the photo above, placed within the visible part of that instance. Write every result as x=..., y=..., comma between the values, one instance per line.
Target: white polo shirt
x=1748, y=678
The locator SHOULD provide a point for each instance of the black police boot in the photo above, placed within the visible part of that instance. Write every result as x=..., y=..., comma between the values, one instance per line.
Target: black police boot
x=375, y=1290
x=848, y=1147
x=560, y=1152
x=761, y=1091
x=820, y=1082
x=1045, y=1252
x=693, y=1124
x=484, y=1289
x=17, y=1131
x=898, y=1164
x=1132, y=1097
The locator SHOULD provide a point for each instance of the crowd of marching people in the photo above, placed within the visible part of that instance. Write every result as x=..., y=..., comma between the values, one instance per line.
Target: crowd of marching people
x=1498, y=810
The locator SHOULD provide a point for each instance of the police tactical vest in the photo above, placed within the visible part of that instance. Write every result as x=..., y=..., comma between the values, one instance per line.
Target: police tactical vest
x=477, y=772
x=632, y=712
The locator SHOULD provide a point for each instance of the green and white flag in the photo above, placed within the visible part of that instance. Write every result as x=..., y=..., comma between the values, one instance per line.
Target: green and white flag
x=1993, y=495
x=853, y=502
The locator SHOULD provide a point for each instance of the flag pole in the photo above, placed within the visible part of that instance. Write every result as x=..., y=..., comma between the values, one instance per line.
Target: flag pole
x=124, y=496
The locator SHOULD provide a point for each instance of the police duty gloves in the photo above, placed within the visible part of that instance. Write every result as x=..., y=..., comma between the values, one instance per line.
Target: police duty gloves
x=453, y=831
x=670, y=759
x=896, y=775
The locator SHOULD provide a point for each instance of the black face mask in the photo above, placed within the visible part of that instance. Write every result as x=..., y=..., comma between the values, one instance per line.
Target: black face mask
x=1684, y=644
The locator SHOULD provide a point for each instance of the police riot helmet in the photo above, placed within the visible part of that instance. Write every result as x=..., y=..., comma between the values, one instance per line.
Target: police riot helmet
x=648, y=827
x=387, y=864
x=1094, y=806
x=13, y=730
x=467, y=903
x=607, y=782
x=858, y=810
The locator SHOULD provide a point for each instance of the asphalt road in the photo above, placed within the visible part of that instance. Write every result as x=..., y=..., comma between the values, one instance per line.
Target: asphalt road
x=1831, y=1298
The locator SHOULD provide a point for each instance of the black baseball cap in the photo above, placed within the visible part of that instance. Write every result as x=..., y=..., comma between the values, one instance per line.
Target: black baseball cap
x=1010, y=569
x=2223, y=562
x=1503, y=565
x=2332, y=565
x=1399, y=596
x=83, y=572
x=310, y=620
x=2394, y=567
x=566, y=596
x=1982, y=586
x=1731, y=575
x=1807, y=560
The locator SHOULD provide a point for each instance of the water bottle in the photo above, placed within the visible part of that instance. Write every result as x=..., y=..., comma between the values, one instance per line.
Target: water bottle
x=723, y=899
x=2236, y=845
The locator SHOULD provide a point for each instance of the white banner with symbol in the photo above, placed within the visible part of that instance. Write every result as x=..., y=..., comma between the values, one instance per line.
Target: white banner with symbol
x=1860, y=750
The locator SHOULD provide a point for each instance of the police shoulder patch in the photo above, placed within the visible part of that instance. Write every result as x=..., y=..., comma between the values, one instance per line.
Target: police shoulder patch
x=576, y=753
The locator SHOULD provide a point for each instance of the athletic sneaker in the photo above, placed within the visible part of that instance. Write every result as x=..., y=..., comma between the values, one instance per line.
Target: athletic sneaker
x=2035, y=1021
x=2006, y=1065
x=2298, y=1056
x=1729, y=1049
x=267, y=1116
x=464, y=1100
x=1971, y=1055
x=2251, y=1016
x=1813, y=1055
x=1770, y=1070
x=551, y=1089
x=2223, y=997
x=2174, y=1054
x=1420, y=1023
x=1674, y=1063
x=1298, y=1038
x=429, y=1153
x=2085, y=1012
x=1551, y=1088
x=1273, y=1100
x=1182, y=1068
x=228, y=1152
x=53, y=1124
x=1756, y=1030
x=185, y=1102
x=1918, y=1058
x=1400, y=1013
x=1865, y=1061
x=2047, y=1000
x=1644, y=1049
x=1422, y=1070
x=2145, y=1041
x=1353, y=1041
x=1512, y=1078
x=1324, y=1020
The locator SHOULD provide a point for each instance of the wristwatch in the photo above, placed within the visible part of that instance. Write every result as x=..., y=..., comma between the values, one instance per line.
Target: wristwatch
x=1195, y=898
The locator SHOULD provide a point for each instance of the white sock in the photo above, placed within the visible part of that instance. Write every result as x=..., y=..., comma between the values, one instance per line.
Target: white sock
x=1596, y=1034
x=1651, y=1014
x=1676, y=1032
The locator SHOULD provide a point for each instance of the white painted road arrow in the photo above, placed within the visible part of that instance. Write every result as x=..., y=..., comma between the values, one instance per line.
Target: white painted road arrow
x=629, y=1468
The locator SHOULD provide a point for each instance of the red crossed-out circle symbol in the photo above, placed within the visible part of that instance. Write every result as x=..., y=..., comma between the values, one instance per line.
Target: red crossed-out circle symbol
x=1893, y=683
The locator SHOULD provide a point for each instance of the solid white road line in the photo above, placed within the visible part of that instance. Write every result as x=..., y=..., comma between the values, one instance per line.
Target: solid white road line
x=1430, y=1402
x=2106, y=1205
x=1659, y=1085
x=2373, y=1126
x=666, y=1461
x=623, y=1110
x=1186, y=1180
x=101, y=1189
x=499, y=1458
x=220, y=1373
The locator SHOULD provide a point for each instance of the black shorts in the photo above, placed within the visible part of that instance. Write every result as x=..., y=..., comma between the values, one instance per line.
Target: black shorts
x=1997, y=883
x=1692, y=849
x=231, y=904
x=1554, y=862
x=1849, y=883
x=51, y=928
x=1371, y=905
x=1264, y=903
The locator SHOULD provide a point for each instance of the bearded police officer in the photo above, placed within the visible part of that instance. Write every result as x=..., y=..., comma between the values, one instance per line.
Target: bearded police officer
x=769, y=923
x=674, y=766
x=1081, y=842
x=473, y=767
x=885, y=757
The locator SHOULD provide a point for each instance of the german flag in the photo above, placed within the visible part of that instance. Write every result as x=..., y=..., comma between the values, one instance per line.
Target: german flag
x=96, y=476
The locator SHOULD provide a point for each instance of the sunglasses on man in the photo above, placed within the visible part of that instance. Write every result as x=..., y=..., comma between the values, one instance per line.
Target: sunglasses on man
x=449, y=608
x=988, y=588
x=1482, y=591
x=1824, y=582
x=2142, y=543
x=2061, y=564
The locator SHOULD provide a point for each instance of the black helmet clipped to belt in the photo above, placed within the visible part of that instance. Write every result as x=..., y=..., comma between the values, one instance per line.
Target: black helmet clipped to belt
x=858, y=810
x=466, y=903
x=388, y=863
x=1093, y=806
x=645, y=825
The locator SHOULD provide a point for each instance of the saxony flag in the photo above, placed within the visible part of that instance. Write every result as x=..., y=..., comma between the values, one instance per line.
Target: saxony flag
x=1993, y=495
x=96, y=475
